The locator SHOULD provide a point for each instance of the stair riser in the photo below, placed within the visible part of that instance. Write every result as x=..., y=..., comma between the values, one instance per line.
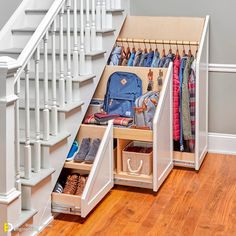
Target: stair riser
x=20, y=40
x=32, y=199
x=88, y=63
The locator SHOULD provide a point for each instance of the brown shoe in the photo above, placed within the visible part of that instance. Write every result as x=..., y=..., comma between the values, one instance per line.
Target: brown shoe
x=71, y=184
x=81, y=185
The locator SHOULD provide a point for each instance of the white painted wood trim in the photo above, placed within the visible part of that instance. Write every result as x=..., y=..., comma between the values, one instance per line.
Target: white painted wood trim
x=222, y=143
x=223, y=68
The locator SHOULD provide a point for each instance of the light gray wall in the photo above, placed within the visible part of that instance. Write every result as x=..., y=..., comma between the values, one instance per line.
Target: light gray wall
x=7, y=8
x=222, y=86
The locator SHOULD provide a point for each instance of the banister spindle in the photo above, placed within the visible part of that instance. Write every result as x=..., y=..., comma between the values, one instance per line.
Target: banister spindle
x=37, y=143
x=104, y=12
x=108, y=4
x=27, y=147
x=113, y=4
x=46, y=123
x=82, y=49
x=17, y=137
x=93, y=27
x=76, y=49
x=87, y=28
x=117, y=4
x=98, y=15
x=54, y=83
x=68, y=78
x=62, y=79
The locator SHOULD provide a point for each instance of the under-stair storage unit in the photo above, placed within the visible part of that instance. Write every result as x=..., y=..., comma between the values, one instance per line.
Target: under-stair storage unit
x=178, y=33
x=160, y=137
x=100, y=179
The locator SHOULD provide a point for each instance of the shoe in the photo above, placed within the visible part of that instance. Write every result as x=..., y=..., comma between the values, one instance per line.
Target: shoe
x=83, y=150
x=81, y=185
x=93, y=151
x=58, y=188
x=73, y=151
x=71, y=184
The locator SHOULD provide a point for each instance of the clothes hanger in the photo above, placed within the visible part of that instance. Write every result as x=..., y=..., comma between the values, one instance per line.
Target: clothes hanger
x=170, y=50
x=163, y=50
x=145, y=47
x=189, y=51
x=177, y=50
x=156, y=50
x=183, y=49
x=150, y=44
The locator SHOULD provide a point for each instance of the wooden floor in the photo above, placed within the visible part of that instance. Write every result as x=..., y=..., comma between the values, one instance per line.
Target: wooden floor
x=188, y=204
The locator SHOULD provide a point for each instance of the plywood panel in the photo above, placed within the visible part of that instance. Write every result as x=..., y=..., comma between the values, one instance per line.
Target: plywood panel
x=142, y=72
x=163, y=28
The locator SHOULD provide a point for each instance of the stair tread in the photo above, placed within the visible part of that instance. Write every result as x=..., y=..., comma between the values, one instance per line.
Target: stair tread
x=19, y=50
x=80, y=78
x=36, y=178
x=66, y=108
x=32, y=30
x=53, y=140
x=24, y=217
x=44, y=11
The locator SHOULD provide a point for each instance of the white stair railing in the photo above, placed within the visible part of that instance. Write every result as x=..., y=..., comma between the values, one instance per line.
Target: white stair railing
x=87, y=28
x=104, y=12
x=76, y=47
x=82, y=43
x=37, y=143
x=93, y=27
x=54, y=82
x=62, y=77
x=98, y=15
x=53, y=57
x=68, y=78
x=27, y=147
x=46, y=122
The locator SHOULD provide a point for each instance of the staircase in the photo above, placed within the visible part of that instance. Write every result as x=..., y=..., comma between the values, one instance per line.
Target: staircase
x=52, y=55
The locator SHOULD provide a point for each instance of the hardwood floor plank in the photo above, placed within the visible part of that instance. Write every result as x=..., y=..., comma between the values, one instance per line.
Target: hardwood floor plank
x=188, y=203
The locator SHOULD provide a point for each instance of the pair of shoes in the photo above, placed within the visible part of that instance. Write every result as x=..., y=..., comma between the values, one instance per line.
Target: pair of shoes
x=75, y=184
x=81, y=185
x=87, y=151
x=58, y=188
x=71, y=184
x=73, y=151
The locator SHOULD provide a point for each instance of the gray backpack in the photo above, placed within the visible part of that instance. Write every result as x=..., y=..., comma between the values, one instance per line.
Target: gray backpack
x=145, y=108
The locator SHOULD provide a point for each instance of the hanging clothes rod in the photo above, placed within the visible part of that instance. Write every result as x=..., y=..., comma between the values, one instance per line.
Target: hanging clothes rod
x=161, y=42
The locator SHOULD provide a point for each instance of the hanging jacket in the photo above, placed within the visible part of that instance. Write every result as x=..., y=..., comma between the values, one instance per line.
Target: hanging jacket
x=149, y=59
x=156, y=59
x=131, y=59
x=115, y=56
x=181, y=72
x=137, y=58
x=185, y=101
x=162, y=62
x=143, y=59
x=176, y=90
x=192, y=103
x=169, y=58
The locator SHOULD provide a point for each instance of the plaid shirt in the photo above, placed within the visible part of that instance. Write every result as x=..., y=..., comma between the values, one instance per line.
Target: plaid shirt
x=192, y=103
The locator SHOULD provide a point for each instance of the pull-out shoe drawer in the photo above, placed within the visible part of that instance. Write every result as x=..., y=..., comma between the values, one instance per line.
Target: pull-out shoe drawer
x=100, y=179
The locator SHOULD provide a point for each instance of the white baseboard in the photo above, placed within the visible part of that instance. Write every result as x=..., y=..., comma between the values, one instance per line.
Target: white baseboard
x=222, y=143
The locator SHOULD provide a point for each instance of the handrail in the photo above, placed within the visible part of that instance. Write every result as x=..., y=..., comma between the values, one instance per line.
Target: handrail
x=38, y=35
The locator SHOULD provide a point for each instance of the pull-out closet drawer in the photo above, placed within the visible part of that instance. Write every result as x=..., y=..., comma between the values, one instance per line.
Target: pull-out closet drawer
x=100, y=178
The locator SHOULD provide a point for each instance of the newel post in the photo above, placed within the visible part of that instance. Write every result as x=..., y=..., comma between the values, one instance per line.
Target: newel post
x=8, y=192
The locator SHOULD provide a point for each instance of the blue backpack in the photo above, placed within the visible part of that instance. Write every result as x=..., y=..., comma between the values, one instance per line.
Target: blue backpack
x=123, y=89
